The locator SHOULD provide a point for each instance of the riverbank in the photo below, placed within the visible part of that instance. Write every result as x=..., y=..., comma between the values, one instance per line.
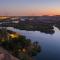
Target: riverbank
x=18, y=45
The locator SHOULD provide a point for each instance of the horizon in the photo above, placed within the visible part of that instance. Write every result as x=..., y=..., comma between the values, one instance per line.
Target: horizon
x=29, y=7
x=27, y=15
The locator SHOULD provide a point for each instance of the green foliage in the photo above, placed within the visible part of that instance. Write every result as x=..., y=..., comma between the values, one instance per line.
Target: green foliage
x=21, y=47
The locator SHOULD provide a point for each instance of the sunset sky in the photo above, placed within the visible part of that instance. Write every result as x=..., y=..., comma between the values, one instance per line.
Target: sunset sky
x=29, y=7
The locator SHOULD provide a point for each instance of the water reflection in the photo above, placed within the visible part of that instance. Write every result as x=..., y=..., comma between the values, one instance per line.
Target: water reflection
x=50, y=43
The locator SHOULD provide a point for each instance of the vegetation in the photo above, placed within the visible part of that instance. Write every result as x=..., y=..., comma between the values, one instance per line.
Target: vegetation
x=20, y=47
x=46, y=28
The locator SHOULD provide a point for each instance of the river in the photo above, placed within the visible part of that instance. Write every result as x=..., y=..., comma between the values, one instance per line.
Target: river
x=50, y=43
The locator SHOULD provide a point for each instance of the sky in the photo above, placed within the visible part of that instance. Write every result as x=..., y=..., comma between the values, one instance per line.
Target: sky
x=29, y=7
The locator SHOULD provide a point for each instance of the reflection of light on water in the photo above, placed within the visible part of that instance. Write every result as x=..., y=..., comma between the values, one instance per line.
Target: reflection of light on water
x=56, y=36
x=56, y=29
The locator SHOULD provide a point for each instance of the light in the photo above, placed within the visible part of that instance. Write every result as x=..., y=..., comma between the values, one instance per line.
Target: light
x=3, y=17
x=13, y=35
x=24, y=50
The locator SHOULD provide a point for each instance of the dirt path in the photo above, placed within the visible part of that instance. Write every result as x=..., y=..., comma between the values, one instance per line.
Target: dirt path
x=4, y=55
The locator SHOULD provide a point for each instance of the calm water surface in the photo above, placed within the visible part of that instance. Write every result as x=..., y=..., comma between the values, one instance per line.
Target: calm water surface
x=50, y=43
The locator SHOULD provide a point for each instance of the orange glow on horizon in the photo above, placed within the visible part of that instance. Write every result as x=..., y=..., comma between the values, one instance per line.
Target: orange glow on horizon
x=37, y=12
x=3, y=17
x=49, y=12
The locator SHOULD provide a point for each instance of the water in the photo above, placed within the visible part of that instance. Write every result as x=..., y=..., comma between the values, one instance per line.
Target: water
x=50, y=44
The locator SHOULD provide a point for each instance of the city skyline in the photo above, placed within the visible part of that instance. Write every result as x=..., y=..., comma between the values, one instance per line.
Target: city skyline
x=29, y=7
